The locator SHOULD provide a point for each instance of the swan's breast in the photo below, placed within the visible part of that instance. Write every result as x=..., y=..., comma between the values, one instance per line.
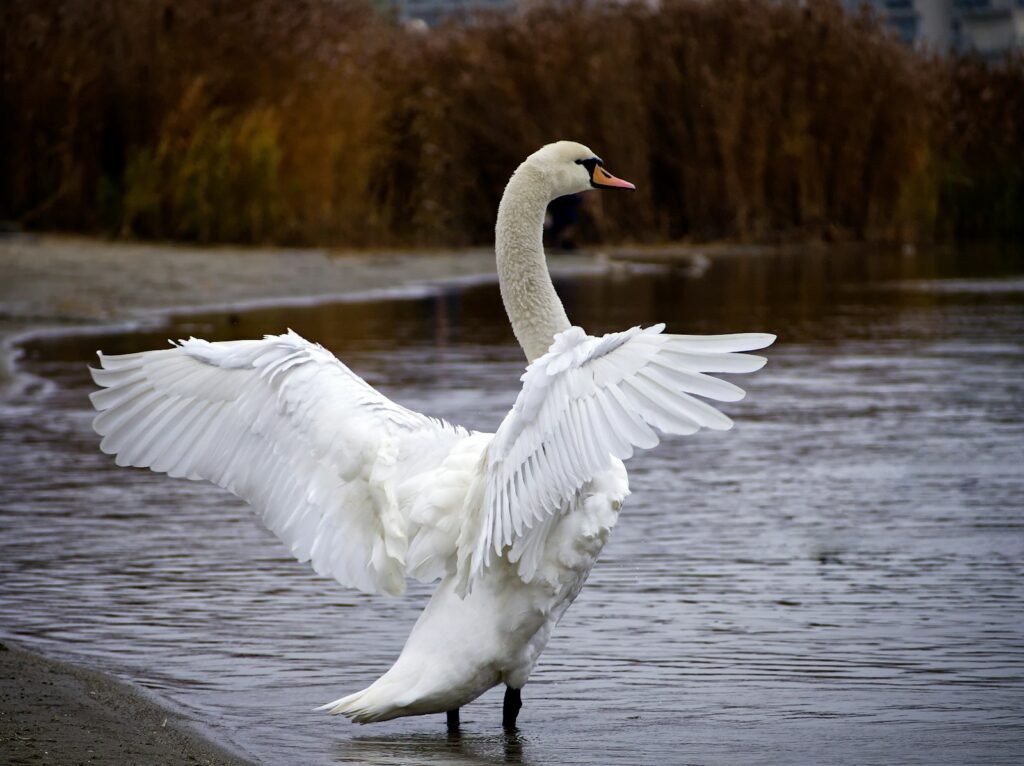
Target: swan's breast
x=577, y=537
x=569, y=551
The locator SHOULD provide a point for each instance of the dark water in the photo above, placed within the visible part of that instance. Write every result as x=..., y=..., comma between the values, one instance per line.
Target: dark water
x=837, y=580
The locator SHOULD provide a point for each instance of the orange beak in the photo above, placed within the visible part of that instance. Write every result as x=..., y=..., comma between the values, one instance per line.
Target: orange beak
x=602, y=179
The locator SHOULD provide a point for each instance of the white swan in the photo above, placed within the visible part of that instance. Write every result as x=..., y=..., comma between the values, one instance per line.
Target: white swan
x=372, y=493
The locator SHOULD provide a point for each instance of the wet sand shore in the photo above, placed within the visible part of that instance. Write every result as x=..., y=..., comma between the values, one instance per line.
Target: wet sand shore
x=55, y=713
x=54, y=282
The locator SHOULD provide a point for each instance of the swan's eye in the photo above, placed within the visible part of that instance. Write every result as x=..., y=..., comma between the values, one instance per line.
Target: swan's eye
x=590, y=164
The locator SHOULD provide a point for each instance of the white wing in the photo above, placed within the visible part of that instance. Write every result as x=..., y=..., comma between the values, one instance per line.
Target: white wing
x=325, y=459
x=589, y=399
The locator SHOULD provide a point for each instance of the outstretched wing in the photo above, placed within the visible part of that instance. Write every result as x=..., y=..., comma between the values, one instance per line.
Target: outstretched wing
x=280, y=422
x=591, y=399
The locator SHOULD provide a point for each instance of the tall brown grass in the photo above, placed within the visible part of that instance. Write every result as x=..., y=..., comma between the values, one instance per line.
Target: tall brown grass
x=325, y=121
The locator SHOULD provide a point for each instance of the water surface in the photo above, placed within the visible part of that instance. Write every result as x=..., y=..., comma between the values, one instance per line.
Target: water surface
x=838, y=579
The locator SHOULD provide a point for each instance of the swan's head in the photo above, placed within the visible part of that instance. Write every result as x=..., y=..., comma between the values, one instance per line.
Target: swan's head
x=570, y=168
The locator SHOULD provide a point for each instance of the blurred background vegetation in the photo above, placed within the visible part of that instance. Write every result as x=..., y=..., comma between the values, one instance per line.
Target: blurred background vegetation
x=329, y=122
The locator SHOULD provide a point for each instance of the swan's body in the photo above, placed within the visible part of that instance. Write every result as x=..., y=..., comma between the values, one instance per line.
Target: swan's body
x=461, y=647
x=372, y=493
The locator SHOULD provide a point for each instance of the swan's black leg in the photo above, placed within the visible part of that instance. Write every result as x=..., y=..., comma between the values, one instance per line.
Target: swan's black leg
x=510, y=711
x=453, y=720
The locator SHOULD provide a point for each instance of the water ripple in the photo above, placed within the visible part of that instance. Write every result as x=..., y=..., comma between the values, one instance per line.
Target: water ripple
x=837, y=580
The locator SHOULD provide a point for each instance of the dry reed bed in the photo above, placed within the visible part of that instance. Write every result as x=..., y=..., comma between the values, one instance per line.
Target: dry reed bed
x=323, y=121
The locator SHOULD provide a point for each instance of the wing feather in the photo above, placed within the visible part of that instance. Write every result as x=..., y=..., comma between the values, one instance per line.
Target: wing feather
x=280, y=422
x=585, y=403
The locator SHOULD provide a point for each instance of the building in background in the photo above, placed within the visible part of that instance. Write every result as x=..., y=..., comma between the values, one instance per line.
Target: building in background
x=989, y=27
x=432, y=11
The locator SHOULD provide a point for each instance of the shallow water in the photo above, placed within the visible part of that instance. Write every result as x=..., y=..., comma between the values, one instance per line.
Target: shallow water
x=838, y=579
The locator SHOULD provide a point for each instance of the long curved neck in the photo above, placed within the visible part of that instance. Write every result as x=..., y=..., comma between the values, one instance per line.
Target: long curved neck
x=530, y=300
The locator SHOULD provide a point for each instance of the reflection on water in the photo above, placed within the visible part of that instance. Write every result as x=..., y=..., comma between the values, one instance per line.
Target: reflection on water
x=450, y=749
x=838, y=579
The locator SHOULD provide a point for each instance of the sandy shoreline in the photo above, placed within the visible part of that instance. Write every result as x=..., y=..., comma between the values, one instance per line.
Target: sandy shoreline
x=55, y=283
x=63, y=282
x=54, y=712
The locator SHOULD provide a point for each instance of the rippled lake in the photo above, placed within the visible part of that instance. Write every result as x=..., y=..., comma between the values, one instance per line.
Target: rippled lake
x=836, y=580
